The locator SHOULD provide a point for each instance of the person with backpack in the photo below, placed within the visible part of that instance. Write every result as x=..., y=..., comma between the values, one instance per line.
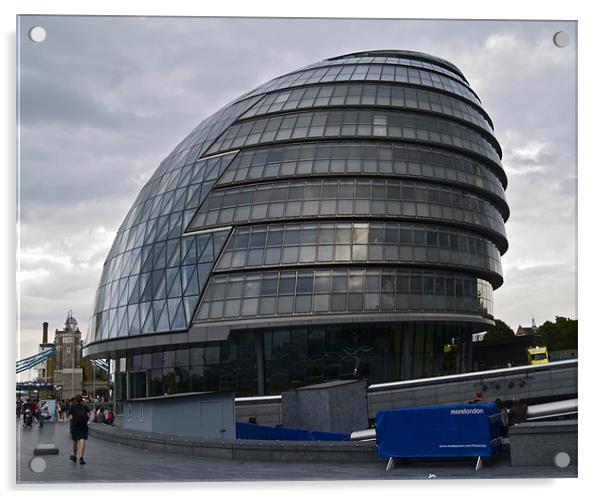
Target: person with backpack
x=78, y=415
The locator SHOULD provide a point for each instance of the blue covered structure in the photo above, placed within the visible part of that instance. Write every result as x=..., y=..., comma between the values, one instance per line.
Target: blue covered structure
x=467, y=430
x=248, y=431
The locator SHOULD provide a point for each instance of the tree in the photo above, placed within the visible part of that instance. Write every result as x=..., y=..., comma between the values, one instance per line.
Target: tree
x=500, y=331
x=559, y=335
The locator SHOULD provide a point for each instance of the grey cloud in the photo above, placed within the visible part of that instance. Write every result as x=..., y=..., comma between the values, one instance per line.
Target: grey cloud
x=531, y=290
x=568, y=187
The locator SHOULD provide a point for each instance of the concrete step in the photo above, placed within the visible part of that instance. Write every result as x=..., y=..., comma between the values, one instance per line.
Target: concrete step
x=45, y=450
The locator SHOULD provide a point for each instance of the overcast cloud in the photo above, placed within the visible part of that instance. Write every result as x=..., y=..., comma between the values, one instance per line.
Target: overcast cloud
x=103, y=100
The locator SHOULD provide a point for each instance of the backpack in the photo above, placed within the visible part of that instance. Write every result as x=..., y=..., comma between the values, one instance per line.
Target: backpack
x=79, y=414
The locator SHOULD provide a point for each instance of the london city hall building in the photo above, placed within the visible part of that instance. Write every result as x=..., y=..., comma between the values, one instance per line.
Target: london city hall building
x=343, y=220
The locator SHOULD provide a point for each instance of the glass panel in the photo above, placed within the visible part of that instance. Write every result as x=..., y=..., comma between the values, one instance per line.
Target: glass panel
x=370, y=290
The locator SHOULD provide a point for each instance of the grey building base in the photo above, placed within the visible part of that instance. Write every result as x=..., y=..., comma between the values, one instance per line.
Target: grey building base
x=337, y=406
x=241, y=450
x=537, y=444
x=207, y=415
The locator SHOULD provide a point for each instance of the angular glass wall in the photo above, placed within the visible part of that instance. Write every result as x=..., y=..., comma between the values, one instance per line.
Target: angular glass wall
x=153, y=276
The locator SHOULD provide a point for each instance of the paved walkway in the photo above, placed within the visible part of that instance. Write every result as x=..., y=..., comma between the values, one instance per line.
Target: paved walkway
x=110, y=462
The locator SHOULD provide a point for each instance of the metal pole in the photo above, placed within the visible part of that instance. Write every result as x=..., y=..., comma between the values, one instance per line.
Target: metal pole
x=113, y=394
x=407, y=367
x=94, y=385
x=259, y=355
x=109, y=379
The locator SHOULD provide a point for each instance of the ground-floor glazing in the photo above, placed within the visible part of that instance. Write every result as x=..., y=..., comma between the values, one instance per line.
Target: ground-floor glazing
x=270, y=361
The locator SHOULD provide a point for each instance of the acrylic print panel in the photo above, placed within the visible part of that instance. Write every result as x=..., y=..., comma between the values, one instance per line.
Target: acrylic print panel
x=217, y=213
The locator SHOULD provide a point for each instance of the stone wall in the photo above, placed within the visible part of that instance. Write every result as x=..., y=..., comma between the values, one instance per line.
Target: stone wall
x=242, y=450
x=337, y=406
x=537, y=444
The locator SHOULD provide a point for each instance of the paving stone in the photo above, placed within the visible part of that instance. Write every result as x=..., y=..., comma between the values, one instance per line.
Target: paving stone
x=110, y=462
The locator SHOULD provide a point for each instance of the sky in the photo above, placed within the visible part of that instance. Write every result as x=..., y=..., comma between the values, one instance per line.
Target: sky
x=104, y=99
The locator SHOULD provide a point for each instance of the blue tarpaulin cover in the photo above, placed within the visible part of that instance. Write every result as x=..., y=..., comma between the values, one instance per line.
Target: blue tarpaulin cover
x=246, y=431
x=439, y=431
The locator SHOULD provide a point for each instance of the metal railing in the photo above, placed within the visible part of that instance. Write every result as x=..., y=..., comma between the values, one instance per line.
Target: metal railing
x=440, y=379
x=30, y=362
x=473, y=375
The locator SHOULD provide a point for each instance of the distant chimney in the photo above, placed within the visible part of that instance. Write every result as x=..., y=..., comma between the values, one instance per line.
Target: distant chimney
x=44, y=332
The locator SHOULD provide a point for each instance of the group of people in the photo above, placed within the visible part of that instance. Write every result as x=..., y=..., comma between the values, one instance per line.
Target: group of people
x=75, y=411
x=516, y=411
x=39, y=410
x=511, y=413
x=100, y=416
x=62, y=406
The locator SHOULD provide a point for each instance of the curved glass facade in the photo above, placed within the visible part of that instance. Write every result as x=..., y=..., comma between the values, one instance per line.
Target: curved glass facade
x=371, y=72
x=282, y=293
x=369, y=94
x=443, y=68
x=365, y=159
x=355, y=198
x=327, y=243
x=357, y=123
x=345, y=219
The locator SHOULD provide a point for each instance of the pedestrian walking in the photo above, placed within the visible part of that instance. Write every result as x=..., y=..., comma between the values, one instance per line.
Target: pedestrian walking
x=78, y=414
x=64, y=407
x=45, y=412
